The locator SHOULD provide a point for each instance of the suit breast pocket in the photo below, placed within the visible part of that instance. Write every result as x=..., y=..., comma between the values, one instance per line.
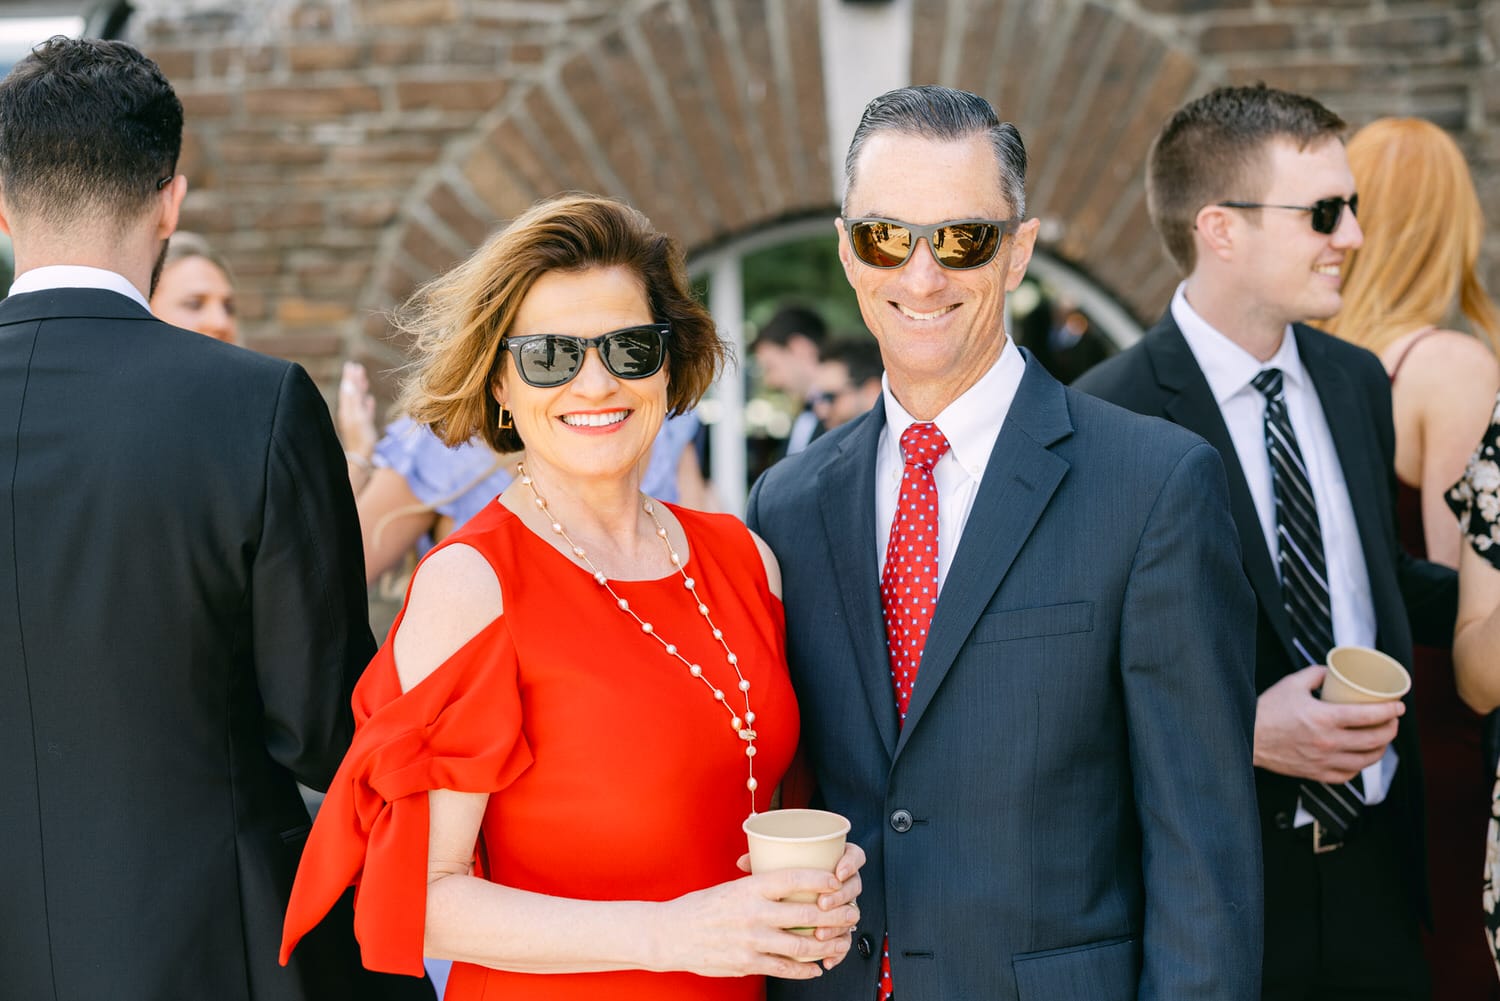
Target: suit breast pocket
x=1043, y=620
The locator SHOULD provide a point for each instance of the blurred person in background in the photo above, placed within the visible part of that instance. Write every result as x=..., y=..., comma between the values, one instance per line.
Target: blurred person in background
x=195, y=290
x=1423, y=231
x=412, y=490
x=848, y=380
x=786, y=352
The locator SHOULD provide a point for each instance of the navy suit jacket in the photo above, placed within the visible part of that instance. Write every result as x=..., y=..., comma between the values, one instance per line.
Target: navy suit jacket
x=1160, y=376
x=1068, y=811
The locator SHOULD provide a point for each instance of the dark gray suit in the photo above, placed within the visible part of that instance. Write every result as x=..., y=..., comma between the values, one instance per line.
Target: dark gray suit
x=1068, y=812
x=182, y=620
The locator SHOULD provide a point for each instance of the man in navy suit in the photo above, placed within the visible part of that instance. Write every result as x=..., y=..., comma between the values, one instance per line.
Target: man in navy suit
x=1049, y=766
x=1252, y=194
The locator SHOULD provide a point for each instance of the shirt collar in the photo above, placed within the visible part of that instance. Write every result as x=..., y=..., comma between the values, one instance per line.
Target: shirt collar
x=1228, y=367
x=972, y=422
x=54, y=276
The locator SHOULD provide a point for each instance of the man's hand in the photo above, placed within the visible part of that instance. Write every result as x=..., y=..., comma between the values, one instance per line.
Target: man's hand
x=1298, y=734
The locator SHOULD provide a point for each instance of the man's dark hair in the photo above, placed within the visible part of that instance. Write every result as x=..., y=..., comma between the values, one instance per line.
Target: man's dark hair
x=789, y=322
x=86, y=125
x=858, y=353
x=942, y=113
x=1216, y=149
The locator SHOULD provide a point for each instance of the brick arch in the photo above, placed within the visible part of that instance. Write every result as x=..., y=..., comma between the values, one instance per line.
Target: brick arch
x=710, y=117
x=707, y=116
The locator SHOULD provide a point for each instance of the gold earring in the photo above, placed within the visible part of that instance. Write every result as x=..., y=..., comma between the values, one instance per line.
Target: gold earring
x=506, y=424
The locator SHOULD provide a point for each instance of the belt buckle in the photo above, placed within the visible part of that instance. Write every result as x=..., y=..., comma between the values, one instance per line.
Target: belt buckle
x=1319, y=848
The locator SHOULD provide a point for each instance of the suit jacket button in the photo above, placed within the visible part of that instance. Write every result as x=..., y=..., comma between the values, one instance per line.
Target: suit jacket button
x=901, y=821
x=865, y=946
x=1283, y=820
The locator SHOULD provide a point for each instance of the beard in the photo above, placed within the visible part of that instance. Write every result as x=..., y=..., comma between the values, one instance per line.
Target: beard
x=161, y=261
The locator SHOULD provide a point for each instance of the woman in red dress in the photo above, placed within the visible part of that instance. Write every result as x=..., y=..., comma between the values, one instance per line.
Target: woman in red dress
x=586, y=691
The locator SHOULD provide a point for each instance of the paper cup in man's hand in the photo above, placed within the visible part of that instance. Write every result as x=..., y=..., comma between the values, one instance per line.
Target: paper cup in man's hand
x=1360, y=674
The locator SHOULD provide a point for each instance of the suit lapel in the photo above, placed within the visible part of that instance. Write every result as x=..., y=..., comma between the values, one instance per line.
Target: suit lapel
x=1191, y=404
x=1019, y=480
x=1351, y=425
x=850, y=530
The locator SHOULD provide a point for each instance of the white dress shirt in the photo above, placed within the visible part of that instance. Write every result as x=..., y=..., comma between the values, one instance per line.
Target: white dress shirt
x=971, y=424
x=1229, y=370
x=75, y=276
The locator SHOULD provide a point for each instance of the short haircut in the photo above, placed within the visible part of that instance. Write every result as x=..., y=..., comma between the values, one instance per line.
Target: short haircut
x=789, y=322
x=947, y=115
x=858, y=353
x=87, y=126
x=1424, y=230
x=459, y=318
x=1215, y=149
x=184, y=245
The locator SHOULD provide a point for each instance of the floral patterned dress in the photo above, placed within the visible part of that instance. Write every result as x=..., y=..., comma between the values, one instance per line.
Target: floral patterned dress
x=1475, y=498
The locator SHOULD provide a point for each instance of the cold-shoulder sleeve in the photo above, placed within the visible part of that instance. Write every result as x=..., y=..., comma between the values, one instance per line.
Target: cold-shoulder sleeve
x=1475, y=498
x=459, y=729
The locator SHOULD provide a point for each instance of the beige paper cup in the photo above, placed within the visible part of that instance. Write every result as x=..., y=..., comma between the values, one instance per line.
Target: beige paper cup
x=796, y=839
x=1360, y=674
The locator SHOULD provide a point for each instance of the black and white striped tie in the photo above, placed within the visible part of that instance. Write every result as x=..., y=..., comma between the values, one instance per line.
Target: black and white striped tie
x=1304, y=586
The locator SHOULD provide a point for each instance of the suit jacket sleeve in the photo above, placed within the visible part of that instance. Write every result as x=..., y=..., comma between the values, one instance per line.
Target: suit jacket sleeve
x=1187, y=661
x=308, y=602
x=752, y=506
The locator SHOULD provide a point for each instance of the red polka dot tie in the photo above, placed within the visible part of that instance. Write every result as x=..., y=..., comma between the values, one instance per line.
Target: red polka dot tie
x=909, y=585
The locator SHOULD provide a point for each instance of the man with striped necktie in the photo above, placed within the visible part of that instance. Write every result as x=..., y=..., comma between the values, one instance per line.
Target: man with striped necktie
x=1252, y=194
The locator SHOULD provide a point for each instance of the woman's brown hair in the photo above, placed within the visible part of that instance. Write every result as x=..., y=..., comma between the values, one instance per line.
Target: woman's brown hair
x=459, y=319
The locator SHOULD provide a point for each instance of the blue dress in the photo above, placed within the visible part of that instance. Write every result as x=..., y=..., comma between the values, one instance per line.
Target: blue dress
x=459, y=482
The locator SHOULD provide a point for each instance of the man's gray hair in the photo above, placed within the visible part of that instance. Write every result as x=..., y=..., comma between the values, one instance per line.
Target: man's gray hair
x=942, y=113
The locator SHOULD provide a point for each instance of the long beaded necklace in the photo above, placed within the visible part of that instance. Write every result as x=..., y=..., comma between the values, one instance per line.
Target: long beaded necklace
x=740, y=724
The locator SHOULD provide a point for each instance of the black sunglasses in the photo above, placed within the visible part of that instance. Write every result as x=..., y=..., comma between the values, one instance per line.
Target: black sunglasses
x=958, y=246
x=547, y=360
x=1326, y=212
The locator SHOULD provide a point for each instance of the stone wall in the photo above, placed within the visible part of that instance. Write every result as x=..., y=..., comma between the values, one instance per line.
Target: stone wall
x=342, y=151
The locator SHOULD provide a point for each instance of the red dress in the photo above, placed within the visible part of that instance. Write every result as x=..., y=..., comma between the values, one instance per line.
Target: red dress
x=612, y=774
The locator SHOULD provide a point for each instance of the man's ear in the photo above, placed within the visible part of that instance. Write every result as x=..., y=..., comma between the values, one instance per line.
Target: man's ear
x=846, y=253
x=4, y=216
x=1022, y=244
x=170, y=206
x=1213, y=229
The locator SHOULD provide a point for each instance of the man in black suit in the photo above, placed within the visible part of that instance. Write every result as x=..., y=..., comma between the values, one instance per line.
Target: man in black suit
x=182, y=606
x=1015, y=623
x=1252, y=194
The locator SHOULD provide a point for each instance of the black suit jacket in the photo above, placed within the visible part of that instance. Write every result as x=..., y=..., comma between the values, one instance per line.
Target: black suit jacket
x=1160, y=376
x=182, y=620
x=1036, y=829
